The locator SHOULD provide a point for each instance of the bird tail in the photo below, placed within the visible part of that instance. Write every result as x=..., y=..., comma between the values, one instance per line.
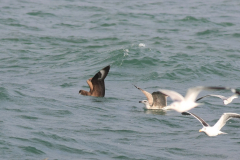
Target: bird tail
x=199, y=104
x=222, y=132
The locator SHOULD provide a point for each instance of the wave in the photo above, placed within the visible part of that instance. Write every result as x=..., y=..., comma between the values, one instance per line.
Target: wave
x=4, y=95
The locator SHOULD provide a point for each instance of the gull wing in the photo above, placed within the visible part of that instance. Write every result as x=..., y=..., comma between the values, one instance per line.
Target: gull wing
x=192, y=93
x=224, y=118
x=172, y=94
x=198, y=118
x=159, y=99
x=213, y=95
x=147, y=94
x=233, y=97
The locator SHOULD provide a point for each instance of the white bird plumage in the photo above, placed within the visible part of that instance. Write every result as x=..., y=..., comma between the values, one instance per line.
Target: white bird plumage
x=226, y=100
x=183, y=104
x=214, y=130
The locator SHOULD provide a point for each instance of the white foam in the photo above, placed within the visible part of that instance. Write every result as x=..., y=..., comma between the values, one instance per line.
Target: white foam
x=126, y=52
x=141, y=45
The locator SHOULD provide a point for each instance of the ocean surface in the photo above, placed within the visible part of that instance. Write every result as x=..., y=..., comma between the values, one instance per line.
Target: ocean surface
x=50, y=48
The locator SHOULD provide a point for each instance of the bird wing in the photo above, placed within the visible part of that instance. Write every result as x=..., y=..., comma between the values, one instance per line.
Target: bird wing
x=193, y=92
x=98, y=82
x=159, y=99
x=198, y=118
x=101, y=75
x=147, y=94
x=213, y=95
x=233, y=97
x=224, y=118
x=172, y=94
x=89, y=82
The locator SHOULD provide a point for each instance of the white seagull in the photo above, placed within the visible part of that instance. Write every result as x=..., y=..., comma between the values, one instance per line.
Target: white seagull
x=183, y=104
x=156, y=100
x=215, y=130
x=226, y=100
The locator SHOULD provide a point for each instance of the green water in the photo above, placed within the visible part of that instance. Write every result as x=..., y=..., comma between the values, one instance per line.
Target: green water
x=50, y=48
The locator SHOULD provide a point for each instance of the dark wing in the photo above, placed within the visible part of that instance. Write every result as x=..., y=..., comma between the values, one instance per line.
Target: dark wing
x=159, y=99
x=198, y=118
x=101, y=75
x=213, y=95
x=237, y=92
x=98, y=82
x=202, y=98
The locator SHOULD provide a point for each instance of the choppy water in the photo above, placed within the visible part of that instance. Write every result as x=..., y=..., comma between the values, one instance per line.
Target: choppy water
x=50, y=48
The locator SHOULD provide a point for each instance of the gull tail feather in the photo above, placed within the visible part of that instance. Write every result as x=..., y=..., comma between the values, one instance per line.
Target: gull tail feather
x=199, y=104
x=222, y=132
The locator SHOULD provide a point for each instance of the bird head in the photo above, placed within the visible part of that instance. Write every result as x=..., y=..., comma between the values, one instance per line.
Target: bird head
x=144, y=102
x=202, y=130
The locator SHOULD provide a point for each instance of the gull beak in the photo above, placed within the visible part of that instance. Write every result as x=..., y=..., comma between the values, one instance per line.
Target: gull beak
x=200, y=130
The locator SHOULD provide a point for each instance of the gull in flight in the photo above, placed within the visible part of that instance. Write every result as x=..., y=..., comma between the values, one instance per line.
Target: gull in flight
x=156, y=100
x=226, y=100
x=183, y=104
x=96, y=84
x=214, y=130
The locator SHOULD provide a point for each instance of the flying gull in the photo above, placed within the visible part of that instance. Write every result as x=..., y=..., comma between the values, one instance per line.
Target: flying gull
x=183, y=104
x=156, y=100
x=226, y=100
x=96, y=84
x=215, y=130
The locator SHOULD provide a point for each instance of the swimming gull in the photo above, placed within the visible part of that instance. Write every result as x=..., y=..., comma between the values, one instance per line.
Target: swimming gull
x=96, y=84
x=226, y=100
x=214, y=130
x=183, y=104
x=156, y=100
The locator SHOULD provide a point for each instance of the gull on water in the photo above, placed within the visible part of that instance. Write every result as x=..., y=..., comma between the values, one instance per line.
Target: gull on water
x=214, y=130
x=96, y=84
x=226, y=100
x=183, y=104
x=156, y=100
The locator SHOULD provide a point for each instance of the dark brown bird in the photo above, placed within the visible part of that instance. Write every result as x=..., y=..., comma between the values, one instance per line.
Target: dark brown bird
x=96, y=84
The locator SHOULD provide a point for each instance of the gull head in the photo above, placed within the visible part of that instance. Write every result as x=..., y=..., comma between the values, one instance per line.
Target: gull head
x=207, y=131
x=146, y=103
x=202, y=130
